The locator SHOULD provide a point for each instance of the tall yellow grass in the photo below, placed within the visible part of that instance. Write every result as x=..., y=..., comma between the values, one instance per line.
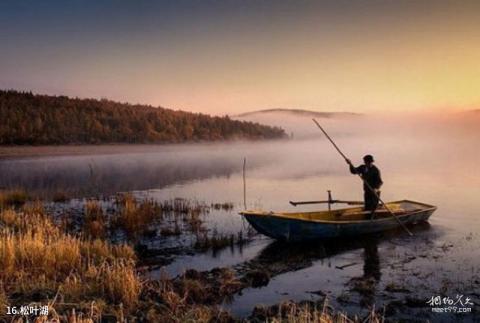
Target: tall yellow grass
x=94, y=222
x=135, y=217
x=291, y=312
x=35, y=255
x=3, y=298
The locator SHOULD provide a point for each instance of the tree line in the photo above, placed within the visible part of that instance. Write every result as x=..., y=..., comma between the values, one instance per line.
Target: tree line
x=32, y=119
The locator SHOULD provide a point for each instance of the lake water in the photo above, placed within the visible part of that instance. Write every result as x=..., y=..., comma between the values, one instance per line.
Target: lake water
x=431, y=161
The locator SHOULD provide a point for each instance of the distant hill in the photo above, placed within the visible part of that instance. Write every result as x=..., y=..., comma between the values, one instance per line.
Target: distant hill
x=297, y=122
x=301, y=112
x=30, y=119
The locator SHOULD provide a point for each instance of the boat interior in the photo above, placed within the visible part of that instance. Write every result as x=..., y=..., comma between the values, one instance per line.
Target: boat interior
x=399, y=208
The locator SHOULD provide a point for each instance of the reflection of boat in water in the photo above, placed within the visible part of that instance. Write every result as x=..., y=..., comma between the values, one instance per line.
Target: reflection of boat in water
x=280, y=257
x=315, y=264
x=296, y=226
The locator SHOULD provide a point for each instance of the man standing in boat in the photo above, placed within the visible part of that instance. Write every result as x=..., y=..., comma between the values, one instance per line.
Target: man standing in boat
x=371, y=177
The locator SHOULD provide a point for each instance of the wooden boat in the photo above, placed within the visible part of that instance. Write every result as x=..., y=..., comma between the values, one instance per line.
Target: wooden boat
x=296, y=226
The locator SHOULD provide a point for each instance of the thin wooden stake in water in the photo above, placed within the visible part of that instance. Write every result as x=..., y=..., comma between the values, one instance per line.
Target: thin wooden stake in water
x=366, y=184
x=244, y=184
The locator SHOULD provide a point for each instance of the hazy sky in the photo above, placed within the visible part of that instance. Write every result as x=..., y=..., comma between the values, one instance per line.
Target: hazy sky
x=226, y=56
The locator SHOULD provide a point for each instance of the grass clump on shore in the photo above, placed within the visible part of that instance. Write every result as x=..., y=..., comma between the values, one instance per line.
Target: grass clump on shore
x=192, y=297
x=136, y=216
x=309, y=312
x=39, y=261
x=3, y=297
x=94, y=222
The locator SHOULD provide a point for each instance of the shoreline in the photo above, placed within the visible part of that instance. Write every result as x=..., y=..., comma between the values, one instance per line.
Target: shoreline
x=29, y=151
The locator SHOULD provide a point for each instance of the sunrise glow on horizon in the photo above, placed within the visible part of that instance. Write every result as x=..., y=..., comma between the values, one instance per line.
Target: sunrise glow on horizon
x=228, y=57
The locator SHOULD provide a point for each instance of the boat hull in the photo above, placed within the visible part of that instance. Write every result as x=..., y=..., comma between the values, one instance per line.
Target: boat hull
x=291, y=229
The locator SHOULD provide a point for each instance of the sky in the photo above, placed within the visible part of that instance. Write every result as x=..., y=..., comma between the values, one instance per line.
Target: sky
x=227, y=57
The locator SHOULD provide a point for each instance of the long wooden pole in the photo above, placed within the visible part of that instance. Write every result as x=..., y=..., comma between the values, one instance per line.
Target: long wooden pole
x=364, y=181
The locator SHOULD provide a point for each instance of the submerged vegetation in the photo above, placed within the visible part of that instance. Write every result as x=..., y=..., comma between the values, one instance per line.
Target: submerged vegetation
x=28, y=119
x=217, y=241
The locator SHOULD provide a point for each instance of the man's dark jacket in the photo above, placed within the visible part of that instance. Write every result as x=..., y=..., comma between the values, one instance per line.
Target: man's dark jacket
x=370, y=174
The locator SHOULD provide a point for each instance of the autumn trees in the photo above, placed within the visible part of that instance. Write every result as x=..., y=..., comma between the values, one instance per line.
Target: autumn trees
x=28, y=119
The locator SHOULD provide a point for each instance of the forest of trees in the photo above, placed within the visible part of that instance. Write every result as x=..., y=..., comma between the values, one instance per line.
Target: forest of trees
x=30, y=119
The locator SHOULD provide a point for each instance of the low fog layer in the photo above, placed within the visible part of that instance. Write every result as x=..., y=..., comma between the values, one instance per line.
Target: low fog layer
x=300, y=126
x=404, y=146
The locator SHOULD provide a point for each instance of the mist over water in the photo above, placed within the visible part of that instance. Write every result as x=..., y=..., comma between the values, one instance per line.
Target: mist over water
x=421, y=157
x=430, y=159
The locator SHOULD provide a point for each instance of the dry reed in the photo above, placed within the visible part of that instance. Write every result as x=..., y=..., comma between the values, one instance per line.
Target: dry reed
x=310, y=312
x=36, y=256
x=94, y=221
x=136, y=216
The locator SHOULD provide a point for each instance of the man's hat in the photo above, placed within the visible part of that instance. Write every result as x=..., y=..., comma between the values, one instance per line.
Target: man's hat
x=368, y=159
